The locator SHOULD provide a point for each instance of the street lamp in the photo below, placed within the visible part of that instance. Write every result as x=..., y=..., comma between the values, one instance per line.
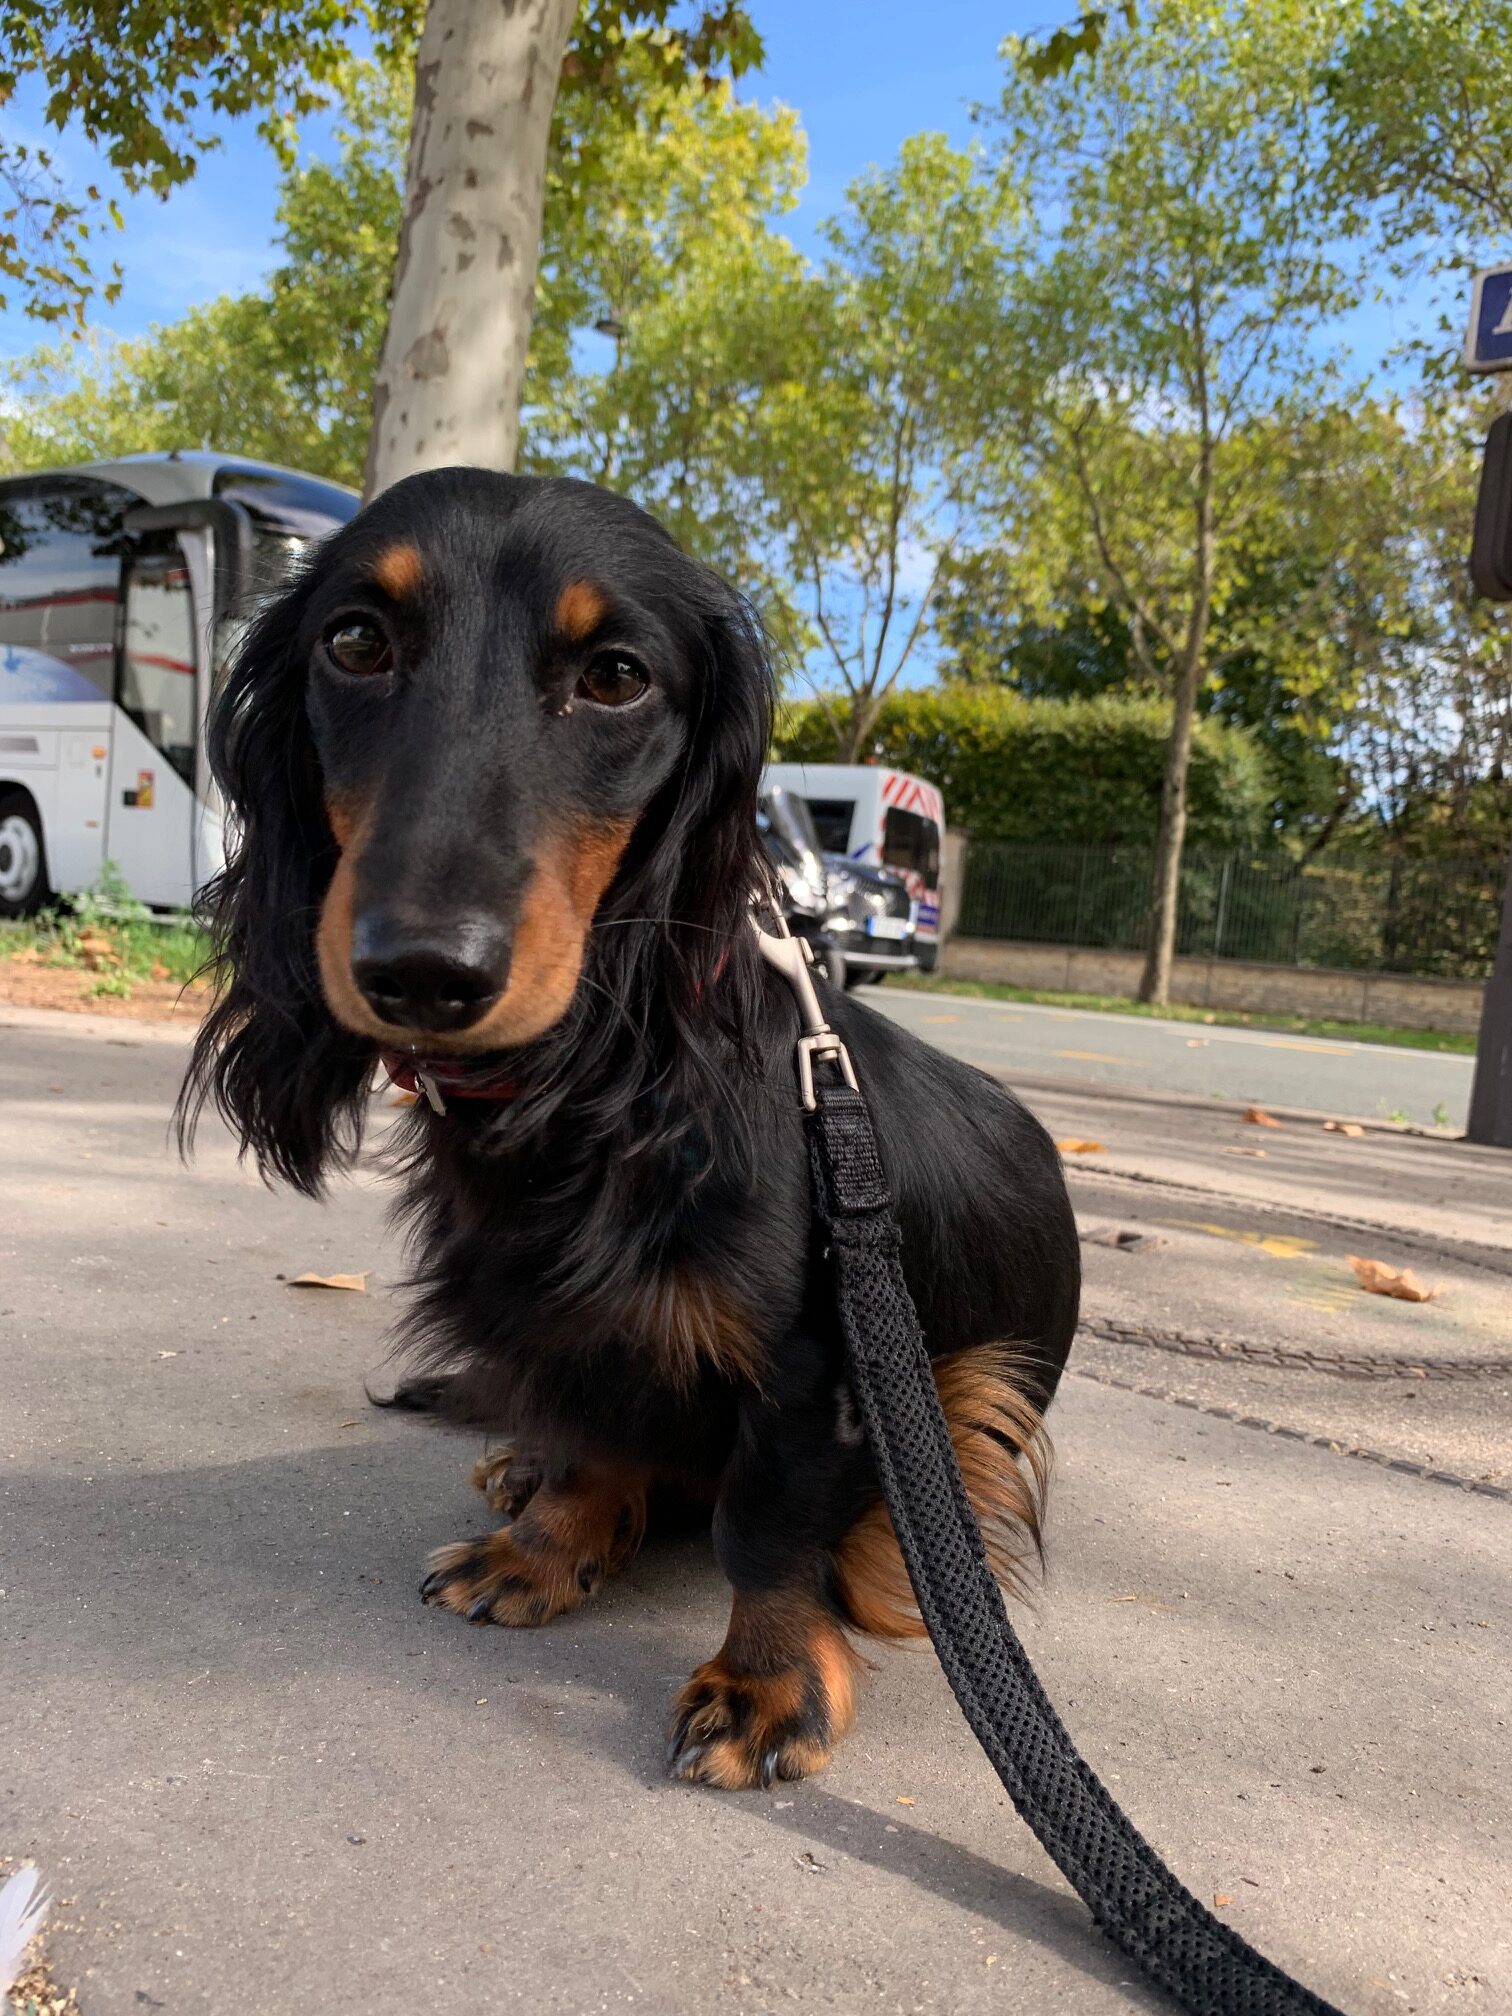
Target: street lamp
x=612, y=325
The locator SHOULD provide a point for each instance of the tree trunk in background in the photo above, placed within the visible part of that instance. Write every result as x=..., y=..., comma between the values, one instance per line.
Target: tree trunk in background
x=1170, y=840
x=453, y=367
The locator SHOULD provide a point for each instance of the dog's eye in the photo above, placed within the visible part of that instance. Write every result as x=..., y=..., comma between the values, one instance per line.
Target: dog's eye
x=360, y=648
x=612, y=679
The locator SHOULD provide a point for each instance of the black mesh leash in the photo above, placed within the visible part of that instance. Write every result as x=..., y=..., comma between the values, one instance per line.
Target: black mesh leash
x=1204, y=1965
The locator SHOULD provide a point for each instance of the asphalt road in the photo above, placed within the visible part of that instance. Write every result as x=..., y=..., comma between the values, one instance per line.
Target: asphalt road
x=1363, y=1080
x=266, y=1779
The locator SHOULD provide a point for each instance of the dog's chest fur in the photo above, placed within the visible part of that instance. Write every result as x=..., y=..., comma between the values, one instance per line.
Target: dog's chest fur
x=622, y=1298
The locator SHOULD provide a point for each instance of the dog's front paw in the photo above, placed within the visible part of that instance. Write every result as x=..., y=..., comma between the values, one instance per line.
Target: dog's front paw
x=497, y=1581
x=569, y=1535
x=737, y=1729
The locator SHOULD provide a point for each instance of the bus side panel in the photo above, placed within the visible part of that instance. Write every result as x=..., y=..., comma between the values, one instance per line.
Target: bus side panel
x=151, y=820
x=60, y=754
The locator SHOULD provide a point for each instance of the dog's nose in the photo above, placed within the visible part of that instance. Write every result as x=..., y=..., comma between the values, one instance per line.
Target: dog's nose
x=436, y=977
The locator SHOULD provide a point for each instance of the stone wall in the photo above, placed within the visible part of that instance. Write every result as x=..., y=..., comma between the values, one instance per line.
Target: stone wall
x=1395, y=1000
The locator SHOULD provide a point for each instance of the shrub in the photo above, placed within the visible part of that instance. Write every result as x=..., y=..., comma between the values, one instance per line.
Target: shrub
x=1077, y=772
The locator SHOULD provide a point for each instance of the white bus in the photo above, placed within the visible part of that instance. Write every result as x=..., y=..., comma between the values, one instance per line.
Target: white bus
x=885, y=818
x=121, y=586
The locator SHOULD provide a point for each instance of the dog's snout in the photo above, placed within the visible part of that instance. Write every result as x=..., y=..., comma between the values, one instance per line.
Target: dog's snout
x=435, y=977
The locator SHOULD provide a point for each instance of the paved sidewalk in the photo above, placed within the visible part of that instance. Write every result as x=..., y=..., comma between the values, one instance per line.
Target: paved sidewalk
x=269, y=1780
x=1150, y=1054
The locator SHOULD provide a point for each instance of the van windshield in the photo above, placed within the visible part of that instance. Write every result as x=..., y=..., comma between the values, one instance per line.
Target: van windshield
x=832, y=816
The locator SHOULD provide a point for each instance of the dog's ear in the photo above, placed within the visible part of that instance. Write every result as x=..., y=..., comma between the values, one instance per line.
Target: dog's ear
x=290, y=1083
x=709, y=850
x=723, y=861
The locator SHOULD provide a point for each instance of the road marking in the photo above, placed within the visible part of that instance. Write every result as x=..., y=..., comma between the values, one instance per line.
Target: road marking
x=1094, y=1057
x=1317, y=1049
x=1324, y=1289
x=1280, y=1245
x=941, y=1018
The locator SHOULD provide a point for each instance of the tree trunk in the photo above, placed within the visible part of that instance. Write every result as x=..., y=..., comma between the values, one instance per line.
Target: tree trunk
x=453, y=367
x=850, y=737
x=1170, y=840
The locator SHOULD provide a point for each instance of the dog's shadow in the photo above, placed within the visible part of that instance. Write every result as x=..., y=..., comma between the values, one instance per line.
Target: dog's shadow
x=302, y=1569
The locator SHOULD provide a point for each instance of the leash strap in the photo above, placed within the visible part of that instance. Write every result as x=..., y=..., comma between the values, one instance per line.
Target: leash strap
x=1133, y=1897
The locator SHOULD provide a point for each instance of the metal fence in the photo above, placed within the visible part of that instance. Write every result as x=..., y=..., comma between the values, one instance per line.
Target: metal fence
x=1434, y=917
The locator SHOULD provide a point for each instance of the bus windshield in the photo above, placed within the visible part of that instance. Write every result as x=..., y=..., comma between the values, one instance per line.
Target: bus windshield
x=289, y=513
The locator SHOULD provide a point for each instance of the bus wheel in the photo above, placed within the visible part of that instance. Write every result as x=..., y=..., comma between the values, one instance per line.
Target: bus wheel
x=830, y=961
x=23, y=869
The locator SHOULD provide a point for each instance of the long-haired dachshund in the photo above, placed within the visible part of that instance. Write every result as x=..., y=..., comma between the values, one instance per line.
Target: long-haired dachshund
x=492, y=764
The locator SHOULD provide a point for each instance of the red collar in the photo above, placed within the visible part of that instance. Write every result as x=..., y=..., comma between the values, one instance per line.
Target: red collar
x=439, y=1082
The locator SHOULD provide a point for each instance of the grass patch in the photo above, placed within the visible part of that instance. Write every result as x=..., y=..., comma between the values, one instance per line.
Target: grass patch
x=1224, y=1018
x=107, y=933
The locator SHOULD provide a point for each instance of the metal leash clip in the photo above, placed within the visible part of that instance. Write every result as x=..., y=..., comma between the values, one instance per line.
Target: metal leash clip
x=819, y=1043
x=429, y=1087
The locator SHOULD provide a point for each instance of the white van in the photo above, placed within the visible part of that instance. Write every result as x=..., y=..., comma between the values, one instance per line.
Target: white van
x=885, y=818
x=121, y=585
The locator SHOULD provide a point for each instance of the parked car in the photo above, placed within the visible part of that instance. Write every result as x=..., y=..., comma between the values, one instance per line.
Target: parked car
x=860, y=921
x=872, y=923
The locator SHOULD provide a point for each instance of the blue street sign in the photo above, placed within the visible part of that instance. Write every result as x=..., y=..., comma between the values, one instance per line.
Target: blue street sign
x=1488, y=341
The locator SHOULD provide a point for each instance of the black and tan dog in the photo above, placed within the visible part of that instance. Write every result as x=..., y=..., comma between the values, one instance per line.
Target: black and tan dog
x=493, y=762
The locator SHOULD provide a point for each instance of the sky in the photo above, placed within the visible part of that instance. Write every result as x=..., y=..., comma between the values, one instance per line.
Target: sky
x=863, y=74
x=860, y=72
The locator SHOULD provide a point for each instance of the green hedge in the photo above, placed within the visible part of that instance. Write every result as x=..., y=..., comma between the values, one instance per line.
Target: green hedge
x=1079, y=772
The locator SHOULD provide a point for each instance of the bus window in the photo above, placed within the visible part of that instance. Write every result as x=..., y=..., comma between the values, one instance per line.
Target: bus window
x=832, y=816
x=158, y=659
x=60, y=582
x=911, y=844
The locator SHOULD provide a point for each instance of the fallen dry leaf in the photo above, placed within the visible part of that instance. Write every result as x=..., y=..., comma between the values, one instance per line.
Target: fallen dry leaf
x=1258, y=1117
x=1197, y=1042
x=1258, y=1153
x=356, y=1282
x=1350, y=1127
x=1080, y=1147
x=903, y=1799
x=1401, y=1283
x=1221, y=1900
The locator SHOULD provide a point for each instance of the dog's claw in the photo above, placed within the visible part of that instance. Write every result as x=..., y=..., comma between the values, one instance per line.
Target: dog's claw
x=769, y=1769
x=684, y=1761
x=431, y=1584
x=477, y=1612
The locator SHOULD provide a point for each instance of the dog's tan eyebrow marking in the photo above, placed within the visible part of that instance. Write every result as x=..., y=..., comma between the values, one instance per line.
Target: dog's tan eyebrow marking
x=580, y=609
x=398, y=570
